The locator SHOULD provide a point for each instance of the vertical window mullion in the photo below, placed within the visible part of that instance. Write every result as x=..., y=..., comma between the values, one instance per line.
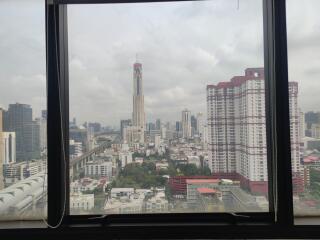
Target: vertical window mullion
x=57, y=92
x=276, y=65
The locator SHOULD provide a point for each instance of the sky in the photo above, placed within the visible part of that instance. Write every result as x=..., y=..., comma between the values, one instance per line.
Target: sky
x=182, y=48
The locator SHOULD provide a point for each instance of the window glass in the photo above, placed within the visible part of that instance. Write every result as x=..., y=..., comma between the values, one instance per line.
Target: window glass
x=167, y=108
x=303, y=23
x=23, y=117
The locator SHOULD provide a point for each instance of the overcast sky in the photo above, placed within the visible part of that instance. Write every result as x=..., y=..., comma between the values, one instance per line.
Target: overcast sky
x=182, y=47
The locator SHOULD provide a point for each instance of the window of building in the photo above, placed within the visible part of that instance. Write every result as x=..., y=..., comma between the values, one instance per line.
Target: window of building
x=303, y=42
x=23, y=114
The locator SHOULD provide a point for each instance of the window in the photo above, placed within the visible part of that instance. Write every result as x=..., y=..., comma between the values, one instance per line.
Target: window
x=303, y=42
x=65, y=148
x=151, y=65
x=23, y=115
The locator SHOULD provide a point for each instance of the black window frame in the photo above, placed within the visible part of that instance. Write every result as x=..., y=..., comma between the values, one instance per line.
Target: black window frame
x=277, y=223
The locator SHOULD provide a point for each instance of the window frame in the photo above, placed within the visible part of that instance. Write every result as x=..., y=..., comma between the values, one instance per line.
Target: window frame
x=277, y=223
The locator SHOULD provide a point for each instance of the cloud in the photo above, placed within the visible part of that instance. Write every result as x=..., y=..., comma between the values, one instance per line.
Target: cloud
x=183, y=46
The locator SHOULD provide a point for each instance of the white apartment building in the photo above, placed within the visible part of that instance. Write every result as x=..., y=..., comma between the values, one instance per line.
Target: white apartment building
x=125, y=158
x=99, y=169
x=295, y=131
x=7, y=147
x=75, y=148
x=237, y=127
x=186, y=123
x=15, y=172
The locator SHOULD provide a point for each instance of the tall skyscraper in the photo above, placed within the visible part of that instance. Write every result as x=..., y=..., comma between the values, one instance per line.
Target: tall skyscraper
x=178, y=126
x=138, y=115
x=186, y=124
x=200, y=124
x=31, y=133
x=295, y=136
x=237, y=129
x=17, y=119
x=158, y=124
x=193, y=125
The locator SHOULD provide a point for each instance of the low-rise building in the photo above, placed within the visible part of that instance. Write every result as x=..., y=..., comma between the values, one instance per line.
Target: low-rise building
x=80, y=201
x=18, y=171
x=194, y=184
x=84, y=185
x=158, y=203
x=125, y=158
x=98, y=169
x=125, y=202
x=121, y=192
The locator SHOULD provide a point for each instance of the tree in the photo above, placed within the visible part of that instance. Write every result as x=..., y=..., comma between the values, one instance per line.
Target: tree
x=188, y=169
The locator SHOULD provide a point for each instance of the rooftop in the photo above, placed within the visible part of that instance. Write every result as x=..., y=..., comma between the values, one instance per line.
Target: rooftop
x=206, y=190
x=195, y=181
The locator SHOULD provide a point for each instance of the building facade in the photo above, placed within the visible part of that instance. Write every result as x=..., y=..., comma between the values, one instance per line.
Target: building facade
x=7, y=147
x=123, y=124
x=237, y=129
x=138, y=115
x=98, y=169
x=18, y=119
x=186, y=124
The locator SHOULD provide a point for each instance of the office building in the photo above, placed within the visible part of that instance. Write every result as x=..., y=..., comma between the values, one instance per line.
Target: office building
x=42, y=122
x=186, y=124
x=178, y=126
x=80, y=135
x=200, y=124
x=18, y=119
x=75, y=149
x=194, y=129
x=31, y=133
x=158, y=124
